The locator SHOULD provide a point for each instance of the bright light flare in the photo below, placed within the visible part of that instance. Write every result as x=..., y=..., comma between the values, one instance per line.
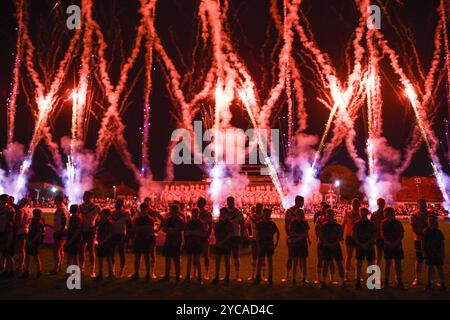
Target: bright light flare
x=373, y=192
x=308, y=175
x=20, y=180
x=215, y=189
x=441, y=180
x=340, y=99
x=412, y=96
x=272, y=171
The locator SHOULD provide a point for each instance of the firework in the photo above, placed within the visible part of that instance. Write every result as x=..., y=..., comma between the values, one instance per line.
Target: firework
x=225, y=80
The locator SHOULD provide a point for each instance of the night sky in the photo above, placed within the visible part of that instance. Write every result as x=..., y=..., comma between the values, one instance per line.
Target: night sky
x=254, y=36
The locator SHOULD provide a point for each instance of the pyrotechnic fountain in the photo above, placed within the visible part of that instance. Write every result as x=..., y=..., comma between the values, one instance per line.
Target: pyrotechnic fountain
x=228, y=83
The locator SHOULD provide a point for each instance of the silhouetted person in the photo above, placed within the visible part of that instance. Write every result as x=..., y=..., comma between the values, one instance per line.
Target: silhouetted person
x=289, y=215
x=377, y=218
x=393, y=232
x=419, y=222
x=350, y=218
x=173, y=226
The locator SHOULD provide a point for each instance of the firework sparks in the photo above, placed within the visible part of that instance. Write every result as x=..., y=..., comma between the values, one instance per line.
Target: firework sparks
x=226, y=78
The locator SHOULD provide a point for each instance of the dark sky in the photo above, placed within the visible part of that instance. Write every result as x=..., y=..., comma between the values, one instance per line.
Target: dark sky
x=253, y=33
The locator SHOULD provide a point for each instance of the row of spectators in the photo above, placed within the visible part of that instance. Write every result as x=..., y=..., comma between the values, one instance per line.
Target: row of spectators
x=277, y=210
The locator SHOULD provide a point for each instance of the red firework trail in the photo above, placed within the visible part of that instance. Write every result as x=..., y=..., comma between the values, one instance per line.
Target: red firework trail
x=227, y=78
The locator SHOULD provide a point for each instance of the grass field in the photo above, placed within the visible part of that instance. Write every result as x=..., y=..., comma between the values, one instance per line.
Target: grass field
x=51, y=287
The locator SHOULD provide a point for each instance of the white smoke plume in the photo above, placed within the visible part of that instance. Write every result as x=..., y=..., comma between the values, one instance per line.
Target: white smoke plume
x=14, y=155
x=2, y=180
x=299, y=162
x=384, y=182
x=11, y=181
x=147, y=186
x=78, y=176
x=226, y=177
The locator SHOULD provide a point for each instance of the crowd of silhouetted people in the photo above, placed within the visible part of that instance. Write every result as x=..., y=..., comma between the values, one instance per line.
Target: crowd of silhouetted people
x=98, y=234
